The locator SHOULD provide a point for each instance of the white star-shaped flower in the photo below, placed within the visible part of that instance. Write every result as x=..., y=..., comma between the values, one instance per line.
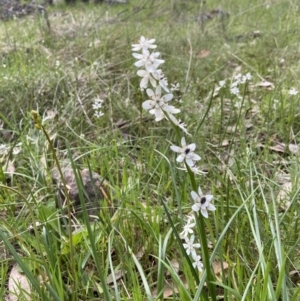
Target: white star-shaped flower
x=97, y=103
x=186, y=153
x=235, y=91
x=146, y=77
x=202, y=202
x=190, y=246
x=197, y=262
x=158, y=104
x=188, y=229
x=293, y=91
x=222, y=83
x=98, y=114
x=179, y=123
x=144, y=44
x=162, y=80
x=147, y=60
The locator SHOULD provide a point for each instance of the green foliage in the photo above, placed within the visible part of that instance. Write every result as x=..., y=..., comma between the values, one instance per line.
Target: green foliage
x=133, y=250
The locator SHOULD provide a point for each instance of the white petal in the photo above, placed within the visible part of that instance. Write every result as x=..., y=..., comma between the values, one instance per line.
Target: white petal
x=158, y=62
x=196, y=157
x=172, y=110
x=196, y=207
x=168, y=97
x=136, y=47
x=152, y=81
x=148, y=104
x=189, y=162
x=158, y=91
x=211, y=207
x=137, y=56
x=159, y=114
x=164, y=86
x=209, y=197
x=195, y=197
x=154, y=55
x=204, y=212
x=150, y=67
x=192, y=147
x=142, y=73
x=173, y=119
x=180, y=158
x=139, y=64
x=144, y=83
x=150, y=92
x=200, y=191
x=183, y=143
x=175, y=148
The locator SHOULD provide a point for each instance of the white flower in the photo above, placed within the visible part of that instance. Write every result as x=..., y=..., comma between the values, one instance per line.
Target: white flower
x=4, y=149
x=179, y=123
x=158, y=104
x=144, y=44
x=202, y=202
x=246, y=78
x=162, y=80
x=238, y=77
x=98, y=114
x=197, y=263
x=190, y=246
x=175, y=87
x=97, y=103
x=147, y=60
x=188, y=228
x=235, y=91
x=194, y=169
x=146, y=76
x=186, y=153
x=222, y=83
x=293, y=91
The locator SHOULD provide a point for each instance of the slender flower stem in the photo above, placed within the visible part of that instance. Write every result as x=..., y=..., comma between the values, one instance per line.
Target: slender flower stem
x=38, y=125
x=204, y=245
x=66, y=195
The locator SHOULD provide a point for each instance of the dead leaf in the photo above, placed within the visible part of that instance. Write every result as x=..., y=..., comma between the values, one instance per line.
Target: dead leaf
x=203, y=54
x=117, y=276
x=282, y=147
x=18, y=285
x=170, y=288
x=265, y=84
x=10, y=168
x=225, y=142
x=217, y=266
x=175, y=265
x=283, y=197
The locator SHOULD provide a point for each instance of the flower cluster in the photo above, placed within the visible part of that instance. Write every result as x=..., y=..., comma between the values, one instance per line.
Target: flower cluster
x=97, y=105
x=293, y=91
x=236, y=81
x=159, y=95
x=158, y=104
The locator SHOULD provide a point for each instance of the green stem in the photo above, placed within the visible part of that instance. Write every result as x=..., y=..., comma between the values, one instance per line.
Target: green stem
x=66, y=195
x=201, y=227
x=204, y=245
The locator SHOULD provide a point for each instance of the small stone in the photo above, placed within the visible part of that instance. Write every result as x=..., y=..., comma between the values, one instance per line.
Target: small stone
x=96, y=189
